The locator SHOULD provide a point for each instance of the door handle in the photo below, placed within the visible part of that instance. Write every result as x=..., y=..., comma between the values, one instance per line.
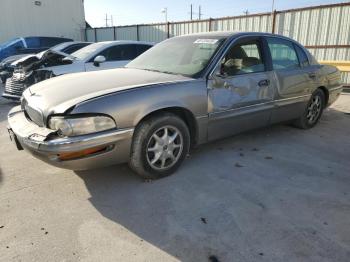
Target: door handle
x=264, y=82
x=228, y=86
x=312, y=75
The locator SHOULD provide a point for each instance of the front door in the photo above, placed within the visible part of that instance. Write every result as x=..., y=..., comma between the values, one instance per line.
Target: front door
x=241, y=90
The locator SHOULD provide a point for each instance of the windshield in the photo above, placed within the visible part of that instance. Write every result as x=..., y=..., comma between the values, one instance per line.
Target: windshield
x=10, y=42
x=85, y=52
x=182, y=55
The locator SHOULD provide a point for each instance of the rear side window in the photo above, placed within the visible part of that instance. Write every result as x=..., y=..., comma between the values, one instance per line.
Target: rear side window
x=304, y=61
x=32, y=42
x=142, y=48
x=283, y=54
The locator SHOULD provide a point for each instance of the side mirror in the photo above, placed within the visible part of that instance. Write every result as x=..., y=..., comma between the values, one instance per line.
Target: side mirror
x=220, y=72
x=99, y=59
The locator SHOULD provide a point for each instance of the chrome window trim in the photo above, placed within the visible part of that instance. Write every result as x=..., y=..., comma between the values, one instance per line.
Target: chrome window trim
x=234, y=39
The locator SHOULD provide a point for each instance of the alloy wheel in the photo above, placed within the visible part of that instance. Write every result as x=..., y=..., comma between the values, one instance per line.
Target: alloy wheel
x=164, y=147
x=314, y=109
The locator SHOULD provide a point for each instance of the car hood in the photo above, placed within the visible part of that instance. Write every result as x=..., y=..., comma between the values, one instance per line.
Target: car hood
x=9, y=60
x=57, y=95
x=22, y=59
x=31, y=62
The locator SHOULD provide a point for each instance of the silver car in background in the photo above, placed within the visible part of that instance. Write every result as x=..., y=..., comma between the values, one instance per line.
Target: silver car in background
x=183, y=92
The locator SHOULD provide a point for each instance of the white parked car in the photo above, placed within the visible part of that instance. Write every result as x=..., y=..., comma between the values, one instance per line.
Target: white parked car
x=102, y=55
x=97, y=56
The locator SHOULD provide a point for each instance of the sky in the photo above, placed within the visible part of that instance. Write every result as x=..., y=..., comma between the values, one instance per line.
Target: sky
x=150, y=11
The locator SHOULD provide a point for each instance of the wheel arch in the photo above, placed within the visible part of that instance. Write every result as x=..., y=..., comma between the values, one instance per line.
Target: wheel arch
x=185, y=114
x=326, y=93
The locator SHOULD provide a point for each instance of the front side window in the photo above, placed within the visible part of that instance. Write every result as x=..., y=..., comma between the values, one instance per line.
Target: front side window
x=283, y=54
x=243, y=58
x=86, y=52
x=186, y=55
x=120, y=53
x=71, y=49
x=10, y=42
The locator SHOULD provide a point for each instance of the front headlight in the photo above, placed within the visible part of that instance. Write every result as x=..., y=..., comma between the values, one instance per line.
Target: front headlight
x=75, y=126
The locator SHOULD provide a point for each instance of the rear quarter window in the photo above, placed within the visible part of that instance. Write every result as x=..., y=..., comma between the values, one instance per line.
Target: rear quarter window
x=304, y=61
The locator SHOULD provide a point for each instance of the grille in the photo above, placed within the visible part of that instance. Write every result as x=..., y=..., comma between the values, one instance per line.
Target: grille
x=33, y=114
x=14, y=87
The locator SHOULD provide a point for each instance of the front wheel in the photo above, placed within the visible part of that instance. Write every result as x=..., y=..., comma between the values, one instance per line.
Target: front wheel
x=160, y=145
x=313, y=111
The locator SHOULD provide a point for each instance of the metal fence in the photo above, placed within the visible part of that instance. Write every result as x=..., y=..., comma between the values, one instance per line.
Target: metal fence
x=324, y=30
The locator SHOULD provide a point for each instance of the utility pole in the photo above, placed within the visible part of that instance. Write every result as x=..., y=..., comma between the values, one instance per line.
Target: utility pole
x=165, y=12
x=273, y=16
x=191, y=13
x=112, y=20
x=106, y=21
x=246, y=12
x=199, y=13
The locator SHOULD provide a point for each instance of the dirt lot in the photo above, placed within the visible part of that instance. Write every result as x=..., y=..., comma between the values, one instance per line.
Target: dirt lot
x=276, y=194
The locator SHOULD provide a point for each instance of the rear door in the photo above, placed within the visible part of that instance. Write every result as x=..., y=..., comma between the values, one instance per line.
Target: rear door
x=241, y=90
x=294, y=79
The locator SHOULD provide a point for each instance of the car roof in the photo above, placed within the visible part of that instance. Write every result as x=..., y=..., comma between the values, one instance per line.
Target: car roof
x=121, y=42
x=231, y=34
x=52, y=37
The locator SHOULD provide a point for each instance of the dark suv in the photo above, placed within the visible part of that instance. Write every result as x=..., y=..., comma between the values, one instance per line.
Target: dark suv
x=29, y=45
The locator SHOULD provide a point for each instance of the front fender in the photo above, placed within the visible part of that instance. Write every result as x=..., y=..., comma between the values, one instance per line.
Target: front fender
x=130, y=106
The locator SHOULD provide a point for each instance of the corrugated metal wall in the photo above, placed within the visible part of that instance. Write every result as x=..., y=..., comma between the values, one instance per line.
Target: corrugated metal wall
x=19, y=18
x=324, y=30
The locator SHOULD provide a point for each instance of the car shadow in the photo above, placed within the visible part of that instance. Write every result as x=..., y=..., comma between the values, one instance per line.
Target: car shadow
x=209, y=205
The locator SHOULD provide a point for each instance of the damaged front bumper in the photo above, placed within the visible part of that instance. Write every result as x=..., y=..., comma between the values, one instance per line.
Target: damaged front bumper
x=45, y=145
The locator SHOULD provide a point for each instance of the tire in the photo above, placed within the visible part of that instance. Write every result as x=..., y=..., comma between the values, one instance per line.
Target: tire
x=313, y=111
x=152, y=141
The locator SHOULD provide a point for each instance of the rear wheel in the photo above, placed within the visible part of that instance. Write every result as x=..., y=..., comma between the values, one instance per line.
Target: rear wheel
x=313, y=111
x=160, y=145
